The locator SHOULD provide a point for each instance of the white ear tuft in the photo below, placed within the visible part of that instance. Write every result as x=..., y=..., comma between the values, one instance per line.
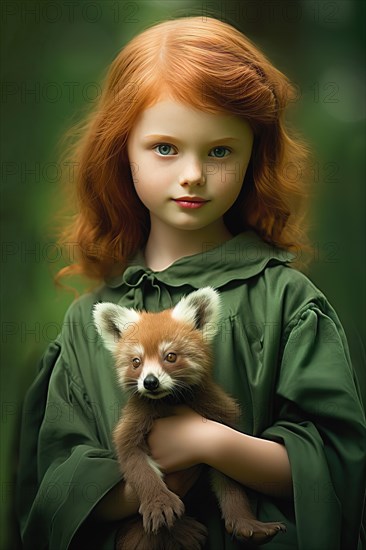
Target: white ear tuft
x=111, y=321
x=200, y=309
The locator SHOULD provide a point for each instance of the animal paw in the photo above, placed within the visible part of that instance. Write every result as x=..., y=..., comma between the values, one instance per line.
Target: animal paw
x=254, y=530
x=160, y=511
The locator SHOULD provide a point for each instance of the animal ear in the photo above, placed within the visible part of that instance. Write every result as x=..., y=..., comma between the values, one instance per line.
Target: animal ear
x=111, y=321
x=201, y=309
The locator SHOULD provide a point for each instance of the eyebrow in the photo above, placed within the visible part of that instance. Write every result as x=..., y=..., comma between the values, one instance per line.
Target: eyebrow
x=172, y=138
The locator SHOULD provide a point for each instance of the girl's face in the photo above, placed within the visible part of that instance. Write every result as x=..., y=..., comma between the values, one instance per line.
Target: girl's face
x=188, y=165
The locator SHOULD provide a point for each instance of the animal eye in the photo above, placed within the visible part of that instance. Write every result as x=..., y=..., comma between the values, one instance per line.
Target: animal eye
x=136, y=362
x=171, y=357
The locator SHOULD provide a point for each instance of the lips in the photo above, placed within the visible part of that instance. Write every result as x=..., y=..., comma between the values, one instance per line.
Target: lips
x=190, y=202
x=191, y=199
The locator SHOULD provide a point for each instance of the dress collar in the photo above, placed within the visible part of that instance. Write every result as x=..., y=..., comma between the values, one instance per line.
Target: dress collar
x=239, y=258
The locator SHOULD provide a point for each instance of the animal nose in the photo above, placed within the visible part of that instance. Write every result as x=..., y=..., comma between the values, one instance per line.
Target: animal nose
x=151, y=382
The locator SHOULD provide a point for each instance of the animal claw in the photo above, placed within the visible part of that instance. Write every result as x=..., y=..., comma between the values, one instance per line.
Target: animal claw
x=254, y=530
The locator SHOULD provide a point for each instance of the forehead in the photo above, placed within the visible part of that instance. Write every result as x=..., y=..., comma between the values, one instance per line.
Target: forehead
x=173, y=118
x=153, y=329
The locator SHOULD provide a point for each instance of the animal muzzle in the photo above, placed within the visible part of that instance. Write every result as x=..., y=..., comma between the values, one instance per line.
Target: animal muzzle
x=151, y=382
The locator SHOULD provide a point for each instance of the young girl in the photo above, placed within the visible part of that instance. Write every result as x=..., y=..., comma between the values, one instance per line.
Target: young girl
x=182, y=184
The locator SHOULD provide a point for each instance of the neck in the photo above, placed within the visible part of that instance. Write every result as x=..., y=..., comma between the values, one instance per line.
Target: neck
x=165, y=244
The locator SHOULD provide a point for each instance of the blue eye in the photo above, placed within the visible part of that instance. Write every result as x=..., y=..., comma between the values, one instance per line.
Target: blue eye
x=220, y=152
x=163, y=149
x=166, y=150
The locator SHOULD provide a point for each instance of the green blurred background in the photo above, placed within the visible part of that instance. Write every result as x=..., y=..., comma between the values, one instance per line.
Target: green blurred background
x=54, y=56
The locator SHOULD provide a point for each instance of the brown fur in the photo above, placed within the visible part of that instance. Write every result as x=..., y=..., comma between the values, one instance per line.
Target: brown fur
x=163, y=525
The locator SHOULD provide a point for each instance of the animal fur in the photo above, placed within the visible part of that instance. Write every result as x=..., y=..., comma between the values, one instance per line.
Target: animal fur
x=164, y=359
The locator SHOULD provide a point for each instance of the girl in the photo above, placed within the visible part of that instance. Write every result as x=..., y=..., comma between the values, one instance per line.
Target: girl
x=181, y=184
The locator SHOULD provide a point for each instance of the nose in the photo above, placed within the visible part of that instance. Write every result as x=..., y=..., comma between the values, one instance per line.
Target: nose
x=151, y=382
x=193, y=174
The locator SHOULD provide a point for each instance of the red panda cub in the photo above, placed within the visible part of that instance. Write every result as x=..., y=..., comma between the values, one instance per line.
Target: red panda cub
x=164, y=359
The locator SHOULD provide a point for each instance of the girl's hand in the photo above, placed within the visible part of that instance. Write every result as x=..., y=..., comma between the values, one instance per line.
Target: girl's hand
x=176, y=442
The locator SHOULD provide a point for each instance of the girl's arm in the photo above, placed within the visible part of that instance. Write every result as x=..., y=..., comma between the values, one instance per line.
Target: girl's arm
x=180, y=441
x=121, y=501
x=260, y=464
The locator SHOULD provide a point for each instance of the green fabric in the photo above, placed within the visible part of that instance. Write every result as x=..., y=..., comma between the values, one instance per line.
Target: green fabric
x=280, y=351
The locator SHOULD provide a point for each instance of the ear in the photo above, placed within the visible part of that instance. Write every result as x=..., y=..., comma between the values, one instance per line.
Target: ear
x=111, y=321
x=201, y=309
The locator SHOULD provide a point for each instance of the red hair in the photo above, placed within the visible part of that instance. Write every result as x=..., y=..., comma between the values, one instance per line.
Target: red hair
x=210, y=65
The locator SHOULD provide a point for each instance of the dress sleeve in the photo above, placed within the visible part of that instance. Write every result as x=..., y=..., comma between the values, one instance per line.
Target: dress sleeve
x=321, y=423
x=63, y=468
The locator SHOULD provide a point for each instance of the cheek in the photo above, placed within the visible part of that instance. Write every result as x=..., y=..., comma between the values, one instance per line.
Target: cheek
x=229, y=180
x=144, y=184
x=123, y=375
x=152, y=183
x=142, y=191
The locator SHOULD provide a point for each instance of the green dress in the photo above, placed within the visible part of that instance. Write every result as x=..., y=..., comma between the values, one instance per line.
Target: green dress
x=280, y=351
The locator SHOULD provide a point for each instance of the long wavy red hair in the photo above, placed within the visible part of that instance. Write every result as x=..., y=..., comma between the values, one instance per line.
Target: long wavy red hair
x=209, y=65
